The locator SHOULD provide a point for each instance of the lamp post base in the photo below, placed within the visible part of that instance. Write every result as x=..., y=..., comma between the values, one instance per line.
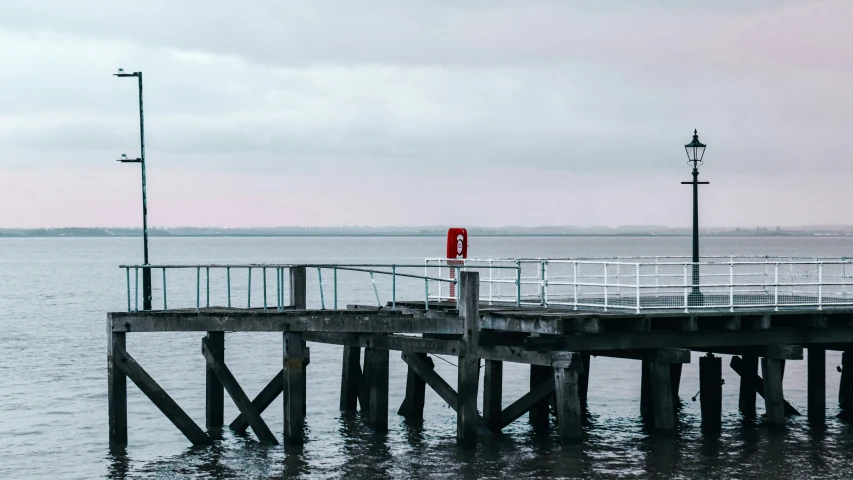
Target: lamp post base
x=695, y=298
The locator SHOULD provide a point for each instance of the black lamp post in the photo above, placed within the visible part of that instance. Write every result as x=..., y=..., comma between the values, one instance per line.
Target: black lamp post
x=146, y=272
x=695, y=152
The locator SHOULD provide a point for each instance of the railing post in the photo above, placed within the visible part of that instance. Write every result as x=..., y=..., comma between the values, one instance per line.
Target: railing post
x=518, y=283
x=490, y=281
x=820, y=286
x=776, y=287
x=732, y=286
x=605, y=286
x=249, y=298
x=127, y=272
x=207, y=287
x=335, y=285
x=136, y=288
x=164, y=290
x=228, y=276
x=320, y=281
x=638, y=288
x=426, y=293
x=542, y=283
x=197, y=288
x=575, y=283
x=278, y=289
x=264, y=274
x=393, y=287
x=375, y=291
x=685, y=287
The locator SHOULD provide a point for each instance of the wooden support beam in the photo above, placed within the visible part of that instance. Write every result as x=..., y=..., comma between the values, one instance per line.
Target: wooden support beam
x=646, y=409
x=434, y=380
x=159, y=397
x=778, y=352
x=364, y=385
x=413, y=404
x=845, y=388
x=208, y=320
x=771, y=370
x=214, y=393
x=750, y=383
x=583, y=378
x=521, y=406
x=539, y=414
x=235, y=391
x=747, y=368
x=568, y=405
x=116, y=391
x=691, y=340
x=468, y=378
x=675, y=372
x=663, y=355
x=711, y=391
x=262, y=401
x=350, y=378
x=294, y=388
x=298, y=288
x=493, y=394
x=817, y=386
x=401, y=343
x=377, y=415
x=662, y=403
x=519, y=355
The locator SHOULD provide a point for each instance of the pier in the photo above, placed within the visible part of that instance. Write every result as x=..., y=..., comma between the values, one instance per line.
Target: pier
x=555, y=315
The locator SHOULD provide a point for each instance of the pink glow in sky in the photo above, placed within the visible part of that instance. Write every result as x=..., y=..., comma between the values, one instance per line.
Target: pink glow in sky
x=396, y=113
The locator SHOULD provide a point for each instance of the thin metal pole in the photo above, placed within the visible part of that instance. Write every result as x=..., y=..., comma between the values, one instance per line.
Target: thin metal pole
x=136, y=288
x=696, y=231
x=375, y=291
x=426, y=294
x=490, y=281
x=776, y=287
x=127, y=271
x=207, y=286
x=278, y=289
x=605, y=286
x=146, y=273
x=819, y=286
x=249, y=298
x=228, y=275
x=575, y=283
x=638, y=288
x=545, y=283
x=320, y=280
x=393, y=287
x=732, y=286
x=542, y=282
x=517, y=283
x=686, y=304
x=197, y=288
x=264, y=272
x=164, y=290
x=335, y=280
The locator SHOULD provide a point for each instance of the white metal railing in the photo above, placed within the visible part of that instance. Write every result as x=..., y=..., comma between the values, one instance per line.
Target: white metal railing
x=657, y=283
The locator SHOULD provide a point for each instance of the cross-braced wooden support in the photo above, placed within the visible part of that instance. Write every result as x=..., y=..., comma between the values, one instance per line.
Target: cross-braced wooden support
x=121, y=361
x=413, y=404
x=241, y=400
x=751, y=384
x=261, y=402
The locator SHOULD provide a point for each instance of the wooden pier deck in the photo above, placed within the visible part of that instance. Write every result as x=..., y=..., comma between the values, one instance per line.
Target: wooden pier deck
x=558, y=344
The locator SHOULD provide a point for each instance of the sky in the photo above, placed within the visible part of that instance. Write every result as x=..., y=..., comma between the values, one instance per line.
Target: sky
x=384, y=112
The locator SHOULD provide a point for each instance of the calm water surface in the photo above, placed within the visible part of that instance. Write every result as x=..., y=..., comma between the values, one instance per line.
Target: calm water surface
x=53, y=397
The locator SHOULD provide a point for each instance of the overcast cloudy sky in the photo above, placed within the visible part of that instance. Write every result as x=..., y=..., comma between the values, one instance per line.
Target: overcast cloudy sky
x=384, y=112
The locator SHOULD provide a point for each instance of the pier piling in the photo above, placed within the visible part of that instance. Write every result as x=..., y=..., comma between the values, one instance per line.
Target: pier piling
x=116, y=390
x=214, y=391
x=469, y=363
x=294, y=388
x=710, y=384
x=816, y=385
x=771, y=370
x=493, y=394
x=350, y=378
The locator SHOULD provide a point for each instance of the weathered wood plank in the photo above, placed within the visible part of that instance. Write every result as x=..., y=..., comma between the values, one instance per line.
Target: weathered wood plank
x=521, y=406
x=364, y=385
x=350, y=377
x=401, y=343
x=771, y=370
x=214, y=393
x=294, y=388
x=286, y=321
x=468, y=378
x=664, y=355
x=711, y=388
x=433, y=379
x=263, y=400
x=116, y=391
x=159, y=397
x=778, y=352
x=519, y=355
x=568, y=405
x=692, y=340
x=235, y=391
x=816, y=385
